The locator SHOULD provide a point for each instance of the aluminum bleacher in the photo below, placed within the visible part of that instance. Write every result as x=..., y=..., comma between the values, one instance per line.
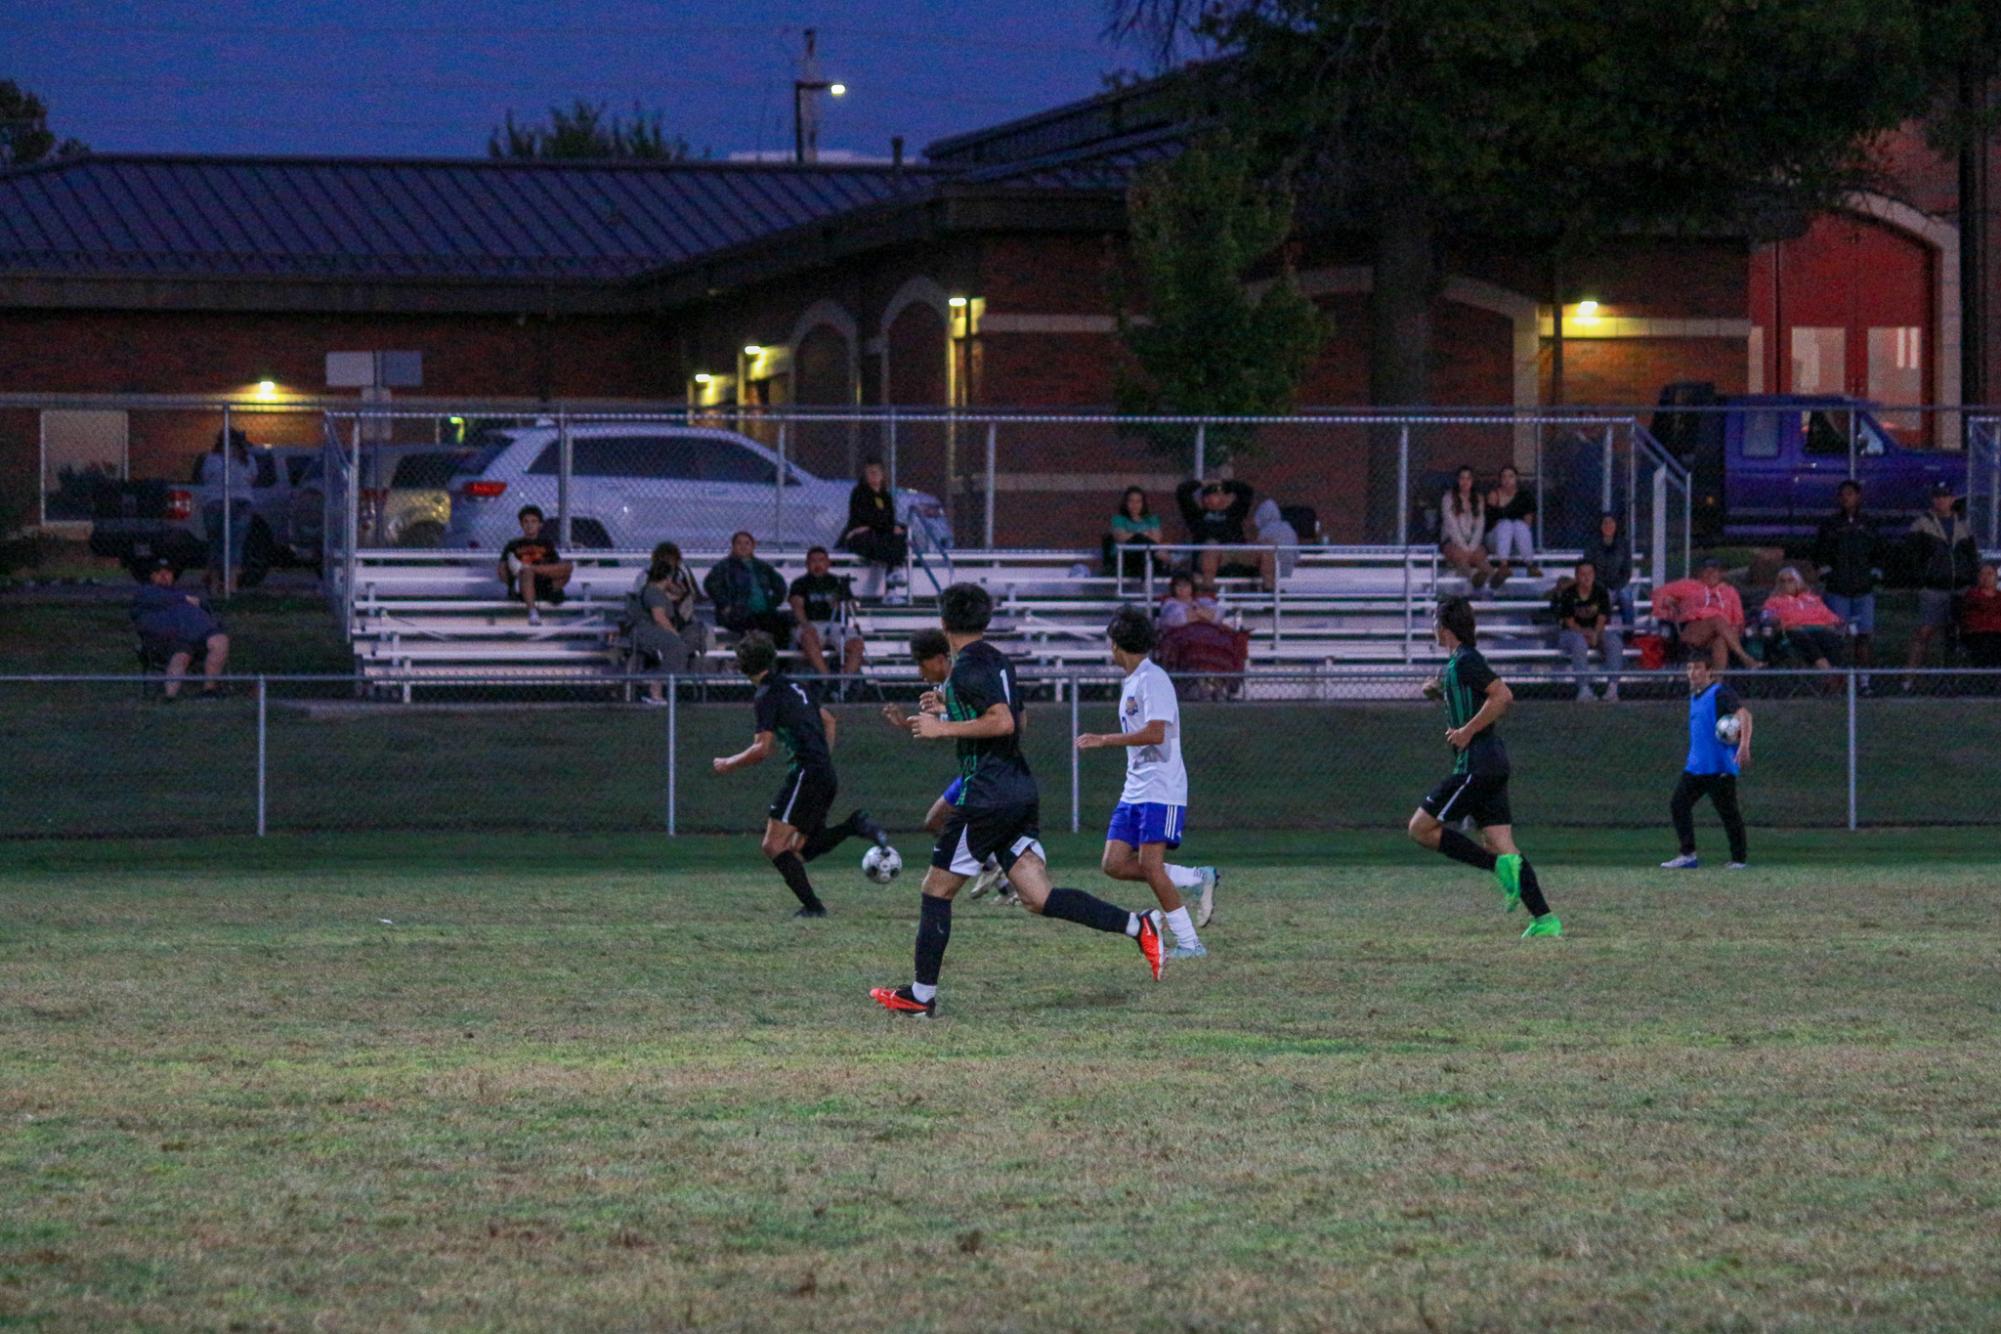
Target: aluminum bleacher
x=443, y=614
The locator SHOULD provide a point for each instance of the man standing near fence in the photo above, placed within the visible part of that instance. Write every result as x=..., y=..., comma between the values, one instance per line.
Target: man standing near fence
x=1849, y=552
x=1713, y=765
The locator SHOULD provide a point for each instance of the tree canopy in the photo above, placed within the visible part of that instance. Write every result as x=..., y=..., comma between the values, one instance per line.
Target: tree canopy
x=25, y=136
x=585, y=130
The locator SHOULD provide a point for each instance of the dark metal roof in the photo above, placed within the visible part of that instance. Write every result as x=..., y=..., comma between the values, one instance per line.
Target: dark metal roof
x=372, y=219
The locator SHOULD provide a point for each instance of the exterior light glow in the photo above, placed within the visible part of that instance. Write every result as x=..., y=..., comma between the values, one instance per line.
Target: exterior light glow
x=267, y=389
x=703, y=377
x=838, y=90
x=956, y=302
x=1587, y=309
x=752, y=350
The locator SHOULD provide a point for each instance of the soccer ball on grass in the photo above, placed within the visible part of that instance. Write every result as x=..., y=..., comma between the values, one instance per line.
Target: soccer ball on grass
x=881, y=864
x=1728, y=728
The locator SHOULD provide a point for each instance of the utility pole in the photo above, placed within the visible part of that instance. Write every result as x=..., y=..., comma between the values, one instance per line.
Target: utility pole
x=805, y=107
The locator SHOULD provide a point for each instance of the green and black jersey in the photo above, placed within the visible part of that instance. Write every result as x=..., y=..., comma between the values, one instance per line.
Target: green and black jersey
x=995, y=772
x=788, y=710
x=1465, y=681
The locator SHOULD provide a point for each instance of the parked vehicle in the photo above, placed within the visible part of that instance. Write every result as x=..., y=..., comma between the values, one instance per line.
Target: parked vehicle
x=406, y=493
x=635, y=484
x=135, y=521
x=1765, y=467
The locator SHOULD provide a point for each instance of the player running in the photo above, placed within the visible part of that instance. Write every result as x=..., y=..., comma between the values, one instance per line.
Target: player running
x=1475, y=699
x=1713, y=766
x=1153, y=810
x=932, y=653
x=980, y=710
x=795, y=828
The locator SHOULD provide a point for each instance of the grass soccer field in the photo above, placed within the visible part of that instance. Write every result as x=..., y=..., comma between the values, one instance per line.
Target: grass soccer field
x=378, y=1083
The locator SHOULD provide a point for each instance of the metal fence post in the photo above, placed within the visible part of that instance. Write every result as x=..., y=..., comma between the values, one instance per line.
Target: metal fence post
x=1851, y=749
x=1201, y=450
x=1277, y=620
x=1403, y=488
x=228, y=480
x=1605, y=485
x=1076, y=778
x=673, y=751
x=892, y=451
x=262, y=771
x=778, y=496
x=1539, y=471
x=993, y=430
x=563, y=461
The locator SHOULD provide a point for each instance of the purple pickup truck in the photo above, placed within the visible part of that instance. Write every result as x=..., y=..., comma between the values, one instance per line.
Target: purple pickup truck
x=1765, y=467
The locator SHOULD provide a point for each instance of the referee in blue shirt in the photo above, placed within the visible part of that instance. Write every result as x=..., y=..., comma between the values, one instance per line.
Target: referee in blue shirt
x=1713, y=765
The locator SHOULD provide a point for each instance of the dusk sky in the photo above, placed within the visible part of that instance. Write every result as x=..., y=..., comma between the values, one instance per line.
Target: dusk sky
x=431, y=77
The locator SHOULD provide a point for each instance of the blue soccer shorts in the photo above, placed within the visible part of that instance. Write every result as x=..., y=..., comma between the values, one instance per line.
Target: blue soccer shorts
x=1142, y=822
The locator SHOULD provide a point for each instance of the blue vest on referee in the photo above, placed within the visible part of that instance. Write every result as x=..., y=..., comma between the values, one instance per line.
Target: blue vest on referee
x=1707, y=755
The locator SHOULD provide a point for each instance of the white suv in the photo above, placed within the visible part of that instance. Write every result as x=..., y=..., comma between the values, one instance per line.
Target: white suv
x=633, y=484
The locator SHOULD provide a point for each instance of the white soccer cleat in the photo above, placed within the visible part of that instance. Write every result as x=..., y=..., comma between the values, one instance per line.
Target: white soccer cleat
x=1686, y=862
x=989, y=876
x=1736, y=866
x=1205, y=907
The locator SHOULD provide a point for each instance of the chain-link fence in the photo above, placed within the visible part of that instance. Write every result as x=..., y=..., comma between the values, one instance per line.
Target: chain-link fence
x=109, y=757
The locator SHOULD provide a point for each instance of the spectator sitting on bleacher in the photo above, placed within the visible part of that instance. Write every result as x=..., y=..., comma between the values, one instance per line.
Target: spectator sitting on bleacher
x=1214, y=511
x=1980, y=618
x=1270, y=525
x=873, y=532
x=1583, y=610
x=1509, y=509
x=819, y=600
x=175, y=627
x=749, y=594
x=1183, y=605
x=1135, y=525
x=1612, y=557
x=1707, y=615
x=530, y=563
x=660, y=617
x=1808, y=628
x=1462, y=529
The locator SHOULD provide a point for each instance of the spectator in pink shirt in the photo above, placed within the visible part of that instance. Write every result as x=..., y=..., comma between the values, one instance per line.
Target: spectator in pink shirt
x=1807, y=625
x=1707, y=614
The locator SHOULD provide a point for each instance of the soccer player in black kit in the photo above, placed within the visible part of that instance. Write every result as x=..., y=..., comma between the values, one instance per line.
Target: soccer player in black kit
x=1475, y=699
x=795, y=827
x=980, y=710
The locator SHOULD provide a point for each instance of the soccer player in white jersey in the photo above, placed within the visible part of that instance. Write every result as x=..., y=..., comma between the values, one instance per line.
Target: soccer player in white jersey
x=1152, y=813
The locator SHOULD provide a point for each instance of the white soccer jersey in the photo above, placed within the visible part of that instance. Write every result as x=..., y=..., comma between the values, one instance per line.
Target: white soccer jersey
x=1153, y=773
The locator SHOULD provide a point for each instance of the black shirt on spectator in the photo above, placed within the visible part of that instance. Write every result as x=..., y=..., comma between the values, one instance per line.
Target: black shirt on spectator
x=1588, y=612
x=822, y=594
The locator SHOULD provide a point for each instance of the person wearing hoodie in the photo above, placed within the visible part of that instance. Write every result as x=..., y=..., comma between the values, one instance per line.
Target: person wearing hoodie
x=1946, y=562
x=1849, y=552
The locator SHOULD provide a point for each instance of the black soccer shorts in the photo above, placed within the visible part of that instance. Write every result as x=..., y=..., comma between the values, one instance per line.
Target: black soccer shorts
x=971, y=836
x=804, y=800
x=1482, y=796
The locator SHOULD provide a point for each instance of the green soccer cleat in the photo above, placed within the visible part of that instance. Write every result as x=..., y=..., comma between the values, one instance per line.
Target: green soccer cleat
x=1508, y=874
x=1545, y=925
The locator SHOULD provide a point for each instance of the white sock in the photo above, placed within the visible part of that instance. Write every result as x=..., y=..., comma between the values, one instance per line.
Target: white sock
x=1183, y=927
x=924, y=994
x=1132, y=924
x=1184, y=877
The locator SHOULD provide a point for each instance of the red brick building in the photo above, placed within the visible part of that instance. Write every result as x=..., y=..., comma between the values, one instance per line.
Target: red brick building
x=980, y=279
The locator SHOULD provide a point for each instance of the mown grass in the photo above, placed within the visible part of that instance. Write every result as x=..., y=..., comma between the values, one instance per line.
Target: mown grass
x=608, y=1084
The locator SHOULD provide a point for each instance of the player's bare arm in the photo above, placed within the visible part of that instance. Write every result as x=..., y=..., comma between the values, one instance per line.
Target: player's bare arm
x=757, y=752
x=931, y=701
x=1153, y=734
x=831, y=724
x=998, y=720
x=1743, y=737
x=1499, y=699
x=895, y=716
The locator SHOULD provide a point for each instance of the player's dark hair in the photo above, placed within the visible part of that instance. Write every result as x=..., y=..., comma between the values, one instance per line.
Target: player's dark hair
x=756, y=654
x=965, y=609
x=527, y=510
x=1131, y=630
x=742, y=532
x=820, y=550
x=666, y=560
x=928, y=644
x=1456, y=615
x=1850, y=484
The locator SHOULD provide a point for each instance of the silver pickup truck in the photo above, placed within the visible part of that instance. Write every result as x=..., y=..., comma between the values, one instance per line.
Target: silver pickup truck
x=137, y=521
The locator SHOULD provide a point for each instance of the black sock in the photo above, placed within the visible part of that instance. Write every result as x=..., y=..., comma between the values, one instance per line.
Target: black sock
x=1074, y=905
x=794, y=871
x=830, y=837
x=934, y=932
x=1532, y=898
x=1463, y=849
